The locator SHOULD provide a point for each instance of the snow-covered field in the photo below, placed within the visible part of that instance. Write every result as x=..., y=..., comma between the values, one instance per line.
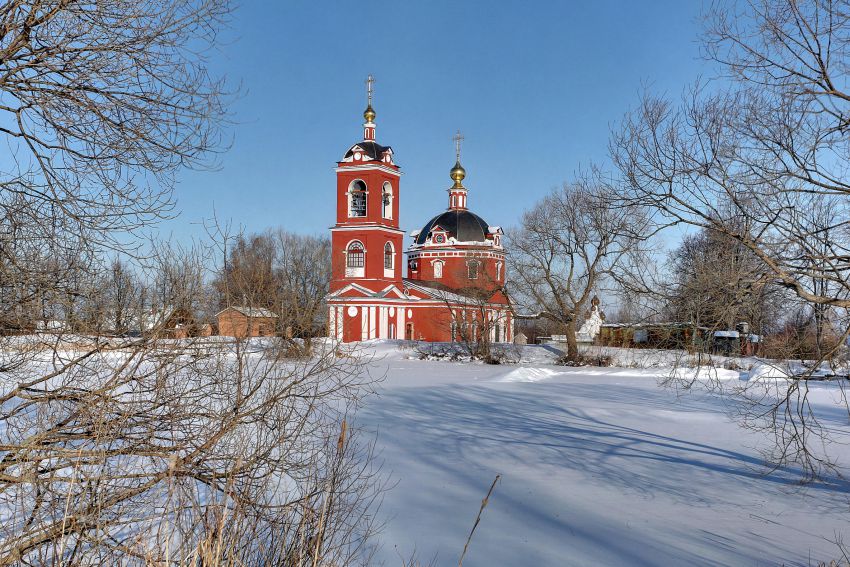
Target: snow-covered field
x=600, y=466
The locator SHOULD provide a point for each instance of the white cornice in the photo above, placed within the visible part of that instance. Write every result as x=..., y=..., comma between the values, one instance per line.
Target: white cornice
x=471, y=251
x=368, y=227
x=383, y=168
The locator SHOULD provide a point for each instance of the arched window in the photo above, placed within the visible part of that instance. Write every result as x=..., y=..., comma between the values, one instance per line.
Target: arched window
x=498, y=271
x=438, y=269
x=472, y=266
x=387, y=201
x=389, y=256
x=357, y=199
x=355, y=259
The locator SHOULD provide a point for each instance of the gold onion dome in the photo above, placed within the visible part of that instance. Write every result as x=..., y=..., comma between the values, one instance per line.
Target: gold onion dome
x=457, y=174
x=369, y=114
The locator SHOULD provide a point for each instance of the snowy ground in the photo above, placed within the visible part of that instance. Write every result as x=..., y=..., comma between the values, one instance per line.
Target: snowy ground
x=599, y=467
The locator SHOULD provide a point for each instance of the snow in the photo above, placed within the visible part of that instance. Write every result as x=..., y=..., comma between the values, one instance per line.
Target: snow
x=768, y=371
x=600, y=466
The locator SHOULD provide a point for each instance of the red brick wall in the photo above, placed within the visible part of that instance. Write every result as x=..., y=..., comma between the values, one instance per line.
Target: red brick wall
x=456, y=271
x=232, y=323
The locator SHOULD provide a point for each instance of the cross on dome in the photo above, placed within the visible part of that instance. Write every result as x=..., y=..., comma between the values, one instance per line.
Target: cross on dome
x=457, y=192
x=458, y=172
x=458, y=138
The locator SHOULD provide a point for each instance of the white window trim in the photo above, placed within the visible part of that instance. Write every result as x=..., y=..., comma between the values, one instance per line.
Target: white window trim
x=350, y=193
x=387, y=210
x=389, y=272
x=355, y=271
x=438, y=269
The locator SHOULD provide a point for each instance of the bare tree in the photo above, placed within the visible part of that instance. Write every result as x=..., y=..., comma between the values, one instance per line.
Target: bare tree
x=144, y=450
x=101, y=103
x=302, y=269
x=93, y=94
x=130, y=455
x=716, y=282
x=755, y=158
x=247, y=276
x=476, y=320
x=771, y=144
x=282, y=271
x=569, y=245
x=122, y=296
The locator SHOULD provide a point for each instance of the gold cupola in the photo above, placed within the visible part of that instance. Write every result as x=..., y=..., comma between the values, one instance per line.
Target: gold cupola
x=458, y=173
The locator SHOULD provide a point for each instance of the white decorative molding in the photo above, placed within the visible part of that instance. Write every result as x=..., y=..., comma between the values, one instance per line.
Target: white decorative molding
x=368, y=166
x=369, y=226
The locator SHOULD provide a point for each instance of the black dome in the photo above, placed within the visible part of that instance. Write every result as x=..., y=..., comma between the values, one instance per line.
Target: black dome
x=464, y=226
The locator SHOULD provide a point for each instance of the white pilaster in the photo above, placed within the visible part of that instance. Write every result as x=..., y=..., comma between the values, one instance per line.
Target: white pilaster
x=340, y=322
x=384, y=332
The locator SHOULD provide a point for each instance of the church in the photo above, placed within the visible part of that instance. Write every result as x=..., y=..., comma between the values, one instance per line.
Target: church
x=456, y=263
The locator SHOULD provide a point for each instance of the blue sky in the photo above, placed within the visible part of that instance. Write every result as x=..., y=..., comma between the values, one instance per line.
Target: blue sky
x=533, y=86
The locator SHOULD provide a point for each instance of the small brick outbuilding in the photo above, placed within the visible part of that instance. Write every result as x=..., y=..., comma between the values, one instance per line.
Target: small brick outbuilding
x=243, y=322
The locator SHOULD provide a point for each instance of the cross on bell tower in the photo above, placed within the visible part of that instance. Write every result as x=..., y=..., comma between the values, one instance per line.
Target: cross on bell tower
x=369, y=113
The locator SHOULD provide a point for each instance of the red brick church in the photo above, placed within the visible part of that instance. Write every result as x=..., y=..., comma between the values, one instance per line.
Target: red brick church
x=456, y=263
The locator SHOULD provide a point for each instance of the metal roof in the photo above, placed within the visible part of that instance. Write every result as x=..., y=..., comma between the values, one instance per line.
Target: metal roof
x=372, y=149
x=251, y=311
x=462, y=225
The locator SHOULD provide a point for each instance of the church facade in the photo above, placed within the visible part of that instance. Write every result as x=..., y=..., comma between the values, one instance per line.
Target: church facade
x=456, y=263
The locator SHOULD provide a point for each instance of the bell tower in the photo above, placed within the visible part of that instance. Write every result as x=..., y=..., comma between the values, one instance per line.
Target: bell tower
x=366, y=239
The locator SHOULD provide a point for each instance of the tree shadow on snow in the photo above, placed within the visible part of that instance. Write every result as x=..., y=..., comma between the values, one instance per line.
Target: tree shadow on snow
x=573, y=430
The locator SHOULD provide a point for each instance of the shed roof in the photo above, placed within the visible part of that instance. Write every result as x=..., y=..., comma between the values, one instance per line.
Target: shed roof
x=251, y=312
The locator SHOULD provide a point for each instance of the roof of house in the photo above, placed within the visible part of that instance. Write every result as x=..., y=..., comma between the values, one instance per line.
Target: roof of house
x=726, y=334
x=434, y=290
x=250, y=311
